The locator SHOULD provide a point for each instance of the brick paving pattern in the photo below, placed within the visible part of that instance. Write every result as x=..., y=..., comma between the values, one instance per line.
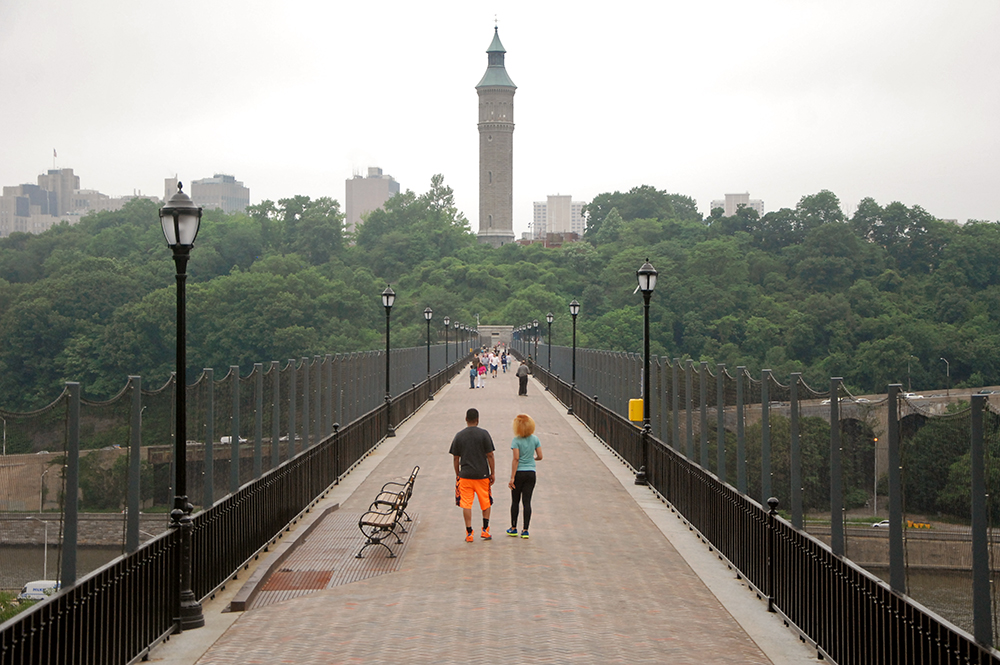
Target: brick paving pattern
x=597, y=582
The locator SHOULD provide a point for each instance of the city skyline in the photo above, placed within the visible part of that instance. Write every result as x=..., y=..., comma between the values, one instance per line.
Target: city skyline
x=777, y=98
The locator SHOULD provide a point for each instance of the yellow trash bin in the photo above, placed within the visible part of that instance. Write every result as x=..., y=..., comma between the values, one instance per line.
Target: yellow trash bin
x=635, y=410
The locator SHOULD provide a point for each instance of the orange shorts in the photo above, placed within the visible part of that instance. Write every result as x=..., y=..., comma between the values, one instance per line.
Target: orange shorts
x=470, y=487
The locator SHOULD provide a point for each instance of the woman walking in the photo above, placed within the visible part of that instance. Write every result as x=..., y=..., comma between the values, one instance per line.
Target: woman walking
x=526, y=451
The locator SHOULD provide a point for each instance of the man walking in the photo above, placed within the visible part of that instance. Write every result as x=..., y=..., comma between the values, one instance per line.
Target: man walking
x=472, y=451
x=522, y=379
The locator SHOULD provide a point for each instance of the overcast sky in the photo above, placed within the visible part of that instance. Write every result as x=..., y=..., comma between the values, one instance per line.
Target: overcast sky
x=897, y=100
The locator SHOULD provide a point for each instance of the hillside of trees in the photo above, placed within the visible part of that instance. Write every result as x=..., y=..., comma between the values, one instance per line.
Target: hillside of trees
x=887, y=291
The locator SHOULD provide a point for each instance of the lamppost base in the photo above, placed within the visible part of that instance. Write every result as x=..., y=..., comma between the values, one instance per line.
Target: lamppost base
x=390, y=432
x=191, y=615
x=430, y=397
x=640, y=477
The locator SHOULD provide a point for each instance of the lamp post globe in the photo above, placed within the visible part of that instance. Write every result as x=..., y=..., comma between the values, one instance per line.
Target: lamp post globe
x=646, y=276
x=180, y=220
x=388, y=298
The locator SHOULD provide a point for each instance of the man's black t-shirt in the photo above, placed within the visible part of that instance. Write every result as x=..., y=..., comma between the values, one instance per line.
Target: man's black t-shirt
x=472, y=445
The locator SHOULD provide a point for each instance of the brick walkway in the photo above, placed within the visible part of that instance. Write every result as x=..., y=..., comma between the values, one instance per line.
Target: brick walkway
x=597, y=582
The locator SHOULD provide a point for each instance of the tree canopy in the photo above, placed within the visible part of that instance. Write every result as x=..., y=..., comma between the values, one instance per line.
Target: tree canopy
x=872, y=297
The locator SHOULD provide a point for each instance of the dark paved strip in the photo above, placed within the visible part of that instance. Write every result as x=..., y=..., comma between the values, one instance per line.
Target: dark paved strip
x=327, y=558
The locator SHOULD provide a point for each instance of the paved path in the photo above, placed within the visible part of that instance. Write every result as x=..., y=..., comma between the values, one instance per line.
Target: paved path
x=597, y=582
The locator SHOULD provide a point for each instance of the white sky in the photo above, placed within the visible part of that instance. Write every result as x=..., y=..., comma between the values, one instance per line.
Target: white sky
x=897, y=100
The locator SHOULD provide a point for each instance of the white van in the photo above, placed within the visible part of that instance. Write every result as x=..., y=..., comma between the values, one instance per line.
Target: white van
x=38, y=590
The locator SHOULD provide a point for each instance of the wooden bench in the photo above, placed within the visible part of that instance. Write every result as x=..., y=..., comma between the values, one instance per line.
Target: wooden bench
x=386, y=512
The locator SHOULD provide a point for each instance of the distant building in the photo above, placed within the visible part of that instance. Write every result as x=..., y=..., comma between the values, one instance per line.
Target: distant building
x=37, y=208
x=56, y=198
x=63, y=183
x=732, y=202
x=558, y=214
x=220, y=191
x=366, y=194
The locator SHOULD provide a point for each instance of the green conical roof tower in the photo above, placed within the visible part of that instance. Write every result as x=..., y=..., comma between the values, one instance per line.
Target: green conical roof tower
x=496, y=73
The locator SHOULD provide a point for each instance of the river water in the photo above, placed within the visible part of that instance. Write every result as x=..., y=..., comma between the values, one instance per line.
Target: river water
x=946, y=593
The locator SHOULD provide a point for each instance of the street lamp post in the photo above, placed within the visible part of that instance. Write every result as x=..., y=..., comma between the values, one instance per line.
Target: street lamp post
x=947, y=369
x=535, y=324
x=447, y=322
x=549, y=319
x=388, y=297
x=646, y=276
x=180, y=220
x=574, y=309
x=428, y=315
x=4, y=434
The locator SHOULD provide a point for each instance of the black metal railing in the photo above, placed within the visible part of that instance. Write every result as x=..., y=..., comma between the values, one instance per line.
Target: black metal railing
x=117, y=613
x=113, y=615
x=848, y=614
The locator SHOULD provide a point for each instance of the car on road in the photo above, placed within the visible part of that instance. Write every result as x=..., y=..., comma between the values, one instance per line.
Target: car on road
x=884, y=524
x=913, y=396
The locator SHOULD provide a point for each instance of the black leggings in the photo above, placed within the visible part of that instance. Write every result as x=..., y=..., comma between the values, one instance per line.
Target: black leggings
x=524, y=485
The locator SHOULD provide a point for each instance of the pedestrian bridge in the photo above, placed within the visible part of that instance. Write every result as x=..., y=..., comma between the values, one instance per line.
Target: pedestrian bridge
x=683, y=569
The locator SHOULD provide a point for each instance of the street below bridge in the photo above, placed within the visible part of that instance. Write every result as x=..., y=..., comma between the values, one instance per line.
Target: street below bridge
x=609, y=575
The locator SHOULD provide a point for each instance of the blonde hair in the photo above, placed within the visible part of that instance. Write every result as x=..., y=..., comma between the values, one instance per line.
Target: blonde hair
x=524, y=426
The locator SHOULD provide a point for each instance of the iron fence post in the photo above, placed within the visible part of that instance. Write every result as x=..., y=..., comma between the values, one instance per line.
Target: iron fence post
x=234, y=443
x=275, y=414
x=258, y=420
x=134, y=468
x=306, y=390
x=981, y=607
x=741, y=448
x=720, y=421
x=71, y=498
x=292, y=394
x=675, y=396
x=765, y=436
x=689, y=408
x=772, y=514
x=209, y=464
x=796, y=451
x=836, y=472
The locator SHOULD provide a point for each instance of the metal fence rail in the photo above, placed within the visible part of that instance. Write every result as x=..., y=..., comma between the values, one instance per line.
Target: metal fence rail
x=117, y=613
x=847, y=613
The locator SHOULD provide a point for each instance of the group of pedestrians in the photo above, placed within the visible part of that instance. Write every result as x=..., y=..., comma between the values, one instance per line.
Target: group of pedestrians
x=475, y=472
x=487, y=361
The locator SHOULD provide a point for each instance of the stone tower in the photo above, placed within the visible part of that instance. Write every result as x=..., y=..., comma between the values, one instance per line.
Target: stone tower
x=496, y=149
